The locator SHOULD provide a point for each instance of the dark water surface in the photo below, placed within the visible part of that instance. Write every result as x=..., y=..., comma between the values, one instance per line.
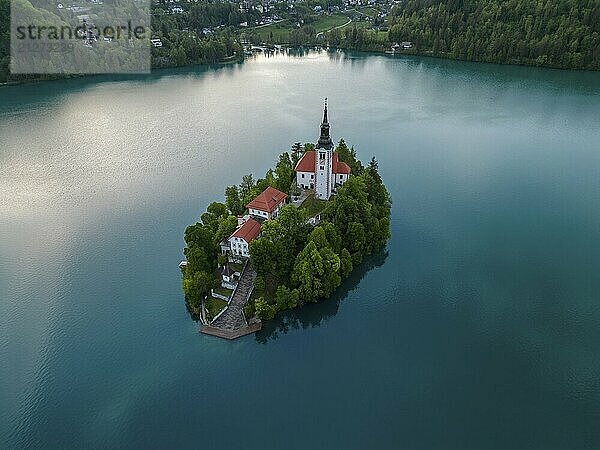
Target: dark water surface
x=478, y=327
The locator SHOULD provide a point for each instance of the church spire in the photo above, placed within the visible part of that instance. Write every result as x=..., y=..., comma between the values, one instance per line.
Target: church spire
x=325, y=139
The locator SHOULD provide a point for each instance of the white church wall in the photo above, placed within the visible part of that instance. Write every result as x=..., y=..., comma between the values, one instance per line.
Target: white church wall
x=304, y=179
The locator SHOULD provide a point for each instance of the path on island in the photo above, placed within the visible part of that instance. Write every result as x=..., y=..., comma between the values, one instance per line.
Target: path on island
x=232, y=323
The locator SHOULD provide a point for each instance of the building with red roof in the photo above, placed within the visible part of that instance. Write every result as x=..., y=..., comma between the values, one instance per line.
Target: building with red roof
x=267, y=204
x=321, y=169
x=242, y=236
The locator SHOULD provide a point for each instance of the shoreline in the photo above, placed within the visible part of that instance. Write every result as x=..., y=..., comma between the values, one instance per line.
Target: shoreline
x=445, y=58
x=426, y=55
x=234, y=59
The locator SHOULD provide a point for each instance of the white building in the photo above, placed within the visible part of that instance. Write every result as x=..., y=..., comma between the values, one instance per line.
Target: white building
x=229, y=278
x=241, y=238
x=321, y=169
x=267, y=204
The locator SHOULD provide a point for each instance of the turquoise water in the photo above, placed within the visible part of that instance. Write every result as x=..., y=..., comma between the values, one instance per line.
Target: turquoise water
x=477, y=327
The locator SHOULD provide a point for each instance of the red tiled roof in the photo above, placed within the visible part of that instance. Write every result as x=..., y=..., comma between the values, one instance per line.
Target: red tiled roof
x=307, y=163
x=338, y=166
x=267, y=200
x=248, y=231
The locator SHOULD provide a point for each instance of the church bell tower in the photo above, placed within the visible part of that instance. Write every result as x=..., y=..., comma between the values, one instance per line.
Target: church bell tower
x=323, y=160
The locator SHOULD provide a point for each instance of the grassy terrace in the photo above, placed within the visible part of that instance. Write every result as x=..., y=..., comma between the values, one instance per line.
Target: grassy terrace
x=236, y=267
x=214, y=307
x=223, y=291
x=313, y=206
x=281, y=30
x=326, y=23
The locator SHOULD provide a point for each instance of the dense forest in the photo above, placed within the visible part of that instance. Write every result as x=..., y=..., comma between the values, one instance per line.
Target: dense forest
x=552, y=33
x=183, y=35
x=184, y=41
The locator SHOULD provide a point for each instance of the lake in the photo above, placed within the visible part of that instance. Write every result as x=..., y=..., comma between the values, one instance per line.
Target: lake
x=478, y=326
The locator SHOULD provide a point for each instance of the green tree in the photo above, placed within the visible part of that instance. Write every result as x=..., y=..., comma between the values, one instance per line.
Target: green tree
x=226, y=227
x=273, y=254
x=213, y=214
x=356, y=240
x=348, y=155
x=233, y=201
x=264, y=310
x=284, y=173
x=286, y=298
x=197, y=286
x=201, y=250
x=259, y=283
x=316, y=272
x=263, y=256
x=297, y=152
x=246, y=185
x=345, y=263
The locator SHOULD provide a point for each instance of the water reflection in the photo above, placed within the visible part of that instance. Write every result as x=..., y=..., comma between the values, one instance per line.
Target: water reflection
x=313, y=315
x=27, y=97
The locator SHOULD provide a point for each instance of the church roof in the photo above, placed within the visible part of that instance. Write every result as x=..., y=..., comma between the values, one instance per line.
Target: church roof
x=267, y=200
x=307, y=163
x=248, y=231
x=338, y=166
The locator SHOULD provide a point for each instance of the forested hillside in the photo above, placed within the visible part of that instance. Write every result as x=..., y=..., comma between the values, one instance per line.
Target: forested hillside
x=553, y=33
x=182, y=36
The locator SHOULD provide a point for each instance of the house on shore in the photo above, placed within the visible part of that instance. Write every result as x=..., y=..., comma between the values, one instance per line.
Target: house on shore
x=267, y=204
x=321, y=169
x=241, y=238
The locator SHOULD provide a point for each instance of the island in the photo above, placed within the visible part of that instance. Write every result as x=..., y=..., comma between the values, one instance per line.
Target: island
x=284, y=240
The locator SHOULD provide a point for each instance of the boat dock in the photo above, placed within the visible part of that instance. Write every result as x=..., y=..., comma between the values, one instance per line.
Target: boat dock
x=231, y=323
x=252, y=327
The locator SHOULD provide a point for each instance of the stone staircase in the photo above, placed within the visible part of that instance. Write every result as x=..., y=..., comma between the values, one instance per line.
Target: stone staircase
x=233, y=318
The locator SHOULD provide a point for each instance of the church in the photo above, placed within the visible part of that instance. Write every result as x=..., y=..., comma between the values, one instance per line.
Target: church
x=321, y=169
